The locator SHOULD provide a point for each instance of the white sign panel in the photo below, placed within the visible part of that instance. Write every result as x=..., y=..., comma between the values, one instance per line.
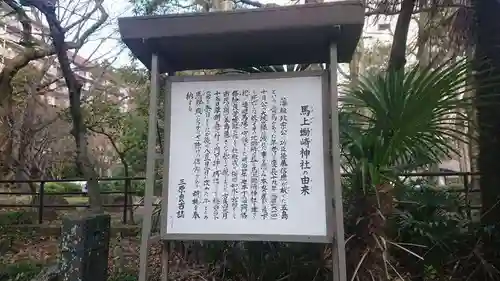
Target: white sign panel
x=247, y=160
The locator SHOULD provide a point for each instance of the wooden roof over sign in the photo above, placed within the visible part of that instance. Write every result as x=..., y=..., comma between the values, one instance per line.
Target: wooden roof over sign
x=242, y=38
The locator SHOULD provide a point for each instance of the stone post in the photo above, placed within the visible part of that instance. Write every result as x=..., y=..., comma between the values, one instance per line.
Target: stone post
x=85, y=248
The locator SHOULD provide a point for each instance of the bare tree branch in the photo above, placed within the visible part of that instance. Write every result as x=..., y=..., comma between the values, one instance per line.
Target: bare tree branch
x=25, y=21
x=14, y=65
x=74, y=85
x=416, y=11
x=252, y=3
x=97, y=7
x=382, y=10
x=342, y=72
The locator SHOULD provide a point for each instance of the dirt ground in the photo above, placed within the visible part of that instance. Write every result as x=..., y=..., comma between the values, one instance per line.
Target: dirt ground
x=123, y=258
x=123, y=254
x=37, y=247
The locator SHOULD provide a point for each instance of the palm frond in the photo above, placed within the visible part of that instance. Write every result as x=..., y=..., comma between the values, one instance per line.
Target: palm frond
x=401, y=117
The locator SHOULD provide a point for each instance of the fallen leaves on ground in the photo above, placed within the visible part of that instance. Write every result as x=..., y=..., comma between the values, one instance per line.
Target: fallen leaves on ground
x=123, y=258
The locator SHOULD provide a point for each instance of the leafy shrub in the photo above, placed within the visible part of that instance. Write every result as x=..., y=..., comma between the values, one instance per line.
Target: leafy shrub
x=22, y=271
x=433, y=221
x=108, y=186
x=138, y=188
x=16, y=217
x=53, y=187
x=61, y=187
x=122, y=276
x=135, y=186
x=430, y=220
x=71, y=187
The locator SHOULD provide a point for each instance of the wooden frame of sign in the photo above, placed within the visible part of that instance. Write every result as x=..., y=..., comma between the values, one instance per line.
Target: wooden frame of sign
x=240, y=206
x=316, y=33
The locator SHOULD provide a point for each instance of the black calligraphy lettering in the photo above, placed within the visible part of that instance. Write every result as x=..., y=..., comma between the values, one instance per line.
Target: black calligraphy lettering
x=305, y=165
x=306, y=122
x=181, y=204
x=263, y=149
x=305, y=183
x=305, y=132
x=274, y=157
x=304, y=110
x=189, y=98
x=284, y=157
x=244, y=159
x=197, y=158
x=305, y=153
x=216, y=165
x=254, y=141
x=235, y=100
x=305, y=142
x=207, y=154
x=225, y=156
x=305, y=149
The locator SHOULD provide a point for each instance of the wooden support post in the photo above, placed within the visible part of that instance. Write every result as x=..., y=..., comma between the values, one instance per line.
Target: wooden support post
x=338, y=247
x=165, y=250
x=150, y=169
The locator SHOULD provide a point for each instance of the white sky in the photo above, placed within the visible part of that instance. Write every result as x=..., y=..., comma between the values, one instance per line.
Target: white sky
x=104, y=44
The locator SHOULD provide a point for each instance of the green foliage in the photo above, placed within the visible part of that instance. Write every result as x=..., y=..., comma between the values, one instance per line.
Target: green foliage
x=270, y=261
x=391, y=123
x=125, y=128
x=22, y=271
x=61, y=187
x=136, y=187
x=428, y=215
x=428, y=222
x=52, y=187
x=134, y=139
x=432, y=224
x=401, y=121
x=69, y=171
x=71, y=187
x=122, y=276
x=16, y=217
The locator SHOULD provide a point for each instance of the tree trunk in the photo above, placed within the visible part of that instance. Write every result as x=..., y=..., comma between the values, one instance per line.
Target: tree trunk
x=130, y=198
x=366, y=252
x=397, y=59
x=423, y=58
x=6, y=76
x=355, y=66
x=74, y=86
x=488, y=48
x=366, y=246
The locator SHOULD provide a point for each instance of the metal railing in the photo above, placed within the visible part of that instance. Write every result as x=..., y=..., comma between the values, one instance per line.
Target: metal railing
x=465, y=179
x=42, y=193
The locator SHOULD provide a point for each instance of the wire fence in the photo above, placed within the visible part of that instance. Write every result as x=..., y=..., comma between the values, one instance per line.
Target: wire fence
x=462, y=182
